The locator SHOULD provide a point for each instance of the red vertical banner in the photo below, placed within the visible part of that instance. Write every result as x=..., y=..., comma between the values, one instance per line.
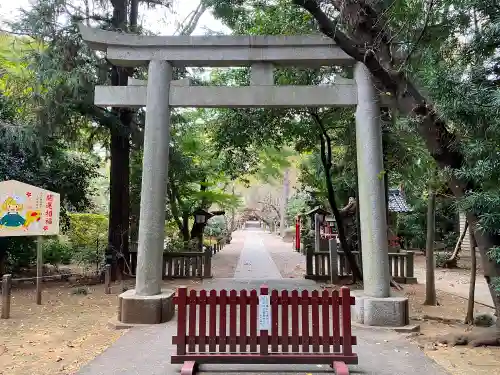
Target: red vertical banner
x=297, y=233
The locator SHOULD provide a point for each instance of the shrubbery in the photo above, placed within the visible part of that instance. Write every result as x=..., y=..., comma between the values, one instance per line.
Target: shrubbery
x=57, y=251
x=87, y=234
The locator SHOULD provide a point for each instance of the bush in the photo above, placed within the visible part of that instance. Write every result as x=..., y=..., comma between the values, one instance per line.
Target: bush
x=57, y=251
x=19, y=252
x=88, y=236
x=441, y=258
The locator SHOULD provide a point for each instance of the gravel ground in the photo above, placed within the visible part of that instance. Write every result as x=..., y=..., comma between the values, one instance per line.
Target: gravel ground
x=290, y=263
x=224, y=262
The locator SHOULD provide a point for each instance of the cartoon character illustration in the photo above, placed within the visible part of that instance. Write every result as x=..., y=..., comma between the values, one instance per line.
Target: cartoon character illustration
x=12, y=217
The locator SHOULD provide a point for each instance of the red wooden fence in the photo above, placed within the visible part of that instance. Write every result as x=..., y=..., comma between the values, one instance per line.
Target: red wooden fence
x=306, y=328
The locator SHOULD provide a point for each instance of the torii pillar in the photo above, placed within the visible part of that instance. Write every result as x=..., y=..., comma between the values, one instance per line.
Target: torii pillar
x=148, y=303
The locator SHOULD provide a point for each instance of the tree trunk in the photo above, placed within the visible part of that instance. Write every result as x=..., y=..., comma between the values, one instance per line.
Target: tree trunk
x=458, y=245
x=366, y=27
x=430, y=285
x=185, y=227
x=119, y=189
x=469, y=318
x=284, y=201
x=326, y=161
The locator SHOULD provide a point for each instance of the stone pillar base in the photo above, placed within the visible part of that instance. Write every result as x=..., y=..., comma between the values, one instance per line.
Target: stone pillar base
x=382, y=312
x=134, y=309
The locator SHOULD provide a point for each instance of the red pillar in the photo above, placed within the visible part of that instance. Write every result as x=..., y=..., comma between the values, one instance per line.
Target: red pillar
x=297, y=233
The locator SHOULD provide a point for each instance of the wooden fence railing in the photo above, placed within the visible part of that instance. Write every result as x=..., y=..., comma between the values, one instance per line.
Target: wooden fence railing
x=251, y=327
x=182, y=265
x=401, y=266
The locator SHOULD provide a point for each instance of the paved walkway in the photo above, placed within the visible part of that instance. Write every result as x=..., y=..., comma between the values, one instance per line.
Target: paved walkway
x=255, y=261
x=147, y=351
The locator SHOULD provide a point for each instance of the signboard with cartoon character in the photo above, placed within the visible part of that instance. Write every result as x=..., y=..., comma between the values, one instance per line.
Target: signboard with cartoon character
x=26, y=210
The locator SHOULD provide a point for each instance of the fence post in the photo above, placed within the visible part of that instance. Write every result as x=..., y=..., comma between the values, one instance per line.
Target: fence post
x=107, y=279
x=334, y=263
x=409, y=263
x=6, y=290
x=309, y=260
x=207, y=272
x=39, y=269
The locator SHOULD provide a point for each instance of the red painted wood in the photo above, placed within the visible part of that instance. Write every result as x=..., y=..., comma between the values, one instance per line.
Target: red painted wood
x=340, y=368
x=294, y=303
x=222, y=320
x=305, y=320
x=297, y=233
x=254, y=301
x=305, y=343
x=278, y=358
x=232, y=321
x=285, y=324
x=315, y=320
x=218, y=339
x=243, y=320
x=202, y=330
x=189, y=368
x=274, y=322
x=325, y=315
x=346, y=320
x=181, y=324
x=336, y=321
x=212, y=323
x=192, y=322
x=264, y=334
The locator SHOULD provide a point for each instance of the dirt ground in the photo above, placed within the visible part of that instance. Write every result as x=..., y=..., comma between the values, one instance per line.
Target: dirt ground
x=69, y=329
x=457, y=360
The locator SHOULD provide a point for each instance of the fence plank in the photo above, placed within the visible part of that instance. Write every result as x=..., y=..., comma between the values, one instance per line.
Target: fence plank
x=254, y=301
x=264, y=333
x=336, y=321
x=325, y=314
x=295, y=320
x=203, y=320
x=243, y=320
x=222, y=320
x=285, y=324
x=192, y=322
x=346, y=321
x=304, y=297
x=181, y=324
x=274, y=321
x=212, y=301
x=315, y=320
x=232, y=321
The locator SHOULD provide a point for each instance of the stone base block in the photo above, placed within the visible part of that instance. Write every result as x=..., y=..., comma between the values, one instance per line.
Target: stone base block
x=134, y=309
x=382, y=312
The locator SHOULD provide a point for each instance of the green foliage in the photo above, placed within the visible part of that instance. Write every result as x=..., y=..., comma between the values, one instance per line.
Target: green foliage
x=216, y=227
x=57, y=251
x=87, y=234
x=20, y=252
x=297, y=204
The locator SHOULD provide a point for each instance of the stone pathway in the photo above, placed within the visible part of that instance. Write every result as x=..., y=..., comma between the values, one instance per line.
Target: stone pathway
x=147, y=350
x=255, y=261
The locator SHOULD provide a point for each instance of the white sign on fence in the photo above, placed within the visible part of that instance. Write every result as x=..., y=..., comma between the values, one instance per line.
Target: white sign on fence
x=264, y=313
x=27, y=210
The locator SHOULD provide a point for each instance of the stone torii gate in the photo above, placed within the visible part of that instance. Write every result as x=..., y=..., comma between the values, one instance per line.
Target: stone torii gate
x=148, y=303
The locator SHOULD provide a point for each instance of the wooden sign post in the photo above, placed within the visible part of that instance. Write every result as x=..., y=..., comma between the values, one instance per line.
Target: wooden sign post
x=27, y=210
